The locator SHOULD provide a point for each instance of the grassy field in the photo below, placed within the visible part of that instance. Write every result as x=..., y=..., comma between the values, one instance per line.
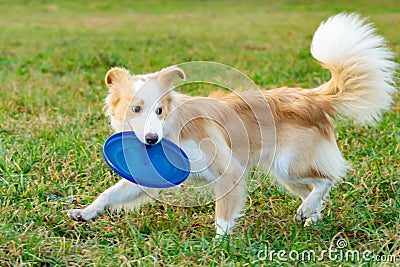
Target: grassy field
x=53, y=58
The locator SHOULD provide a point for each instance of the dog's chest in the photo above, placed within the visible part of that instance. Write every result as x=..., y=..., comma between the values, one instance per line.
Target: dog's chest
x=200, y=160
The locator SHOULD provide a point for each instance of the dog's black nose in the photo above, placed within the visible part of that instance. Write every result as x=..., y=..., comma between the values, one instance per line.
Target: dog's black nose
x=151, y=138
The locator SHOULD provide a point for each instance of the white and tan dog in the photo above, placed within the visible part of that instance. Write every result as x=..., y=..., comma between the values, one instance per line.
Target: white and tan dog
x=294, y=140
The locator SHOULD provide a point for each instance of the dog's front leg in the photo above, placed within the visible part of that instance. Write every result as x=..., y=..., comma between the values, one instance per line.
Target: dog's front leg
x=124, y=194
x=230, y=193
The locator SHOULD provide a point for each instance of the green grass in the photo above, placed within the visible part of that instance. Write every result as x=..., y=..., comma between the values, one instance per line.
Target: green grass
x=53, y=58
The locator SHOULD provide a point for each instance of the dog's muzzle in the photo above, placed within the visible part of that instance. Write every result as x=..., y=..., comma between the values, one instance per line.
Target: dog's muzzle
x=151, y=138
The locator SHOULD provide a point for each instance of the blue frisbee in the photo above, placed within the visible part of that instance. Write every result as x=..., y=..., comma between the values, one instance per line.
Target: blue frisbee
x=159, y=166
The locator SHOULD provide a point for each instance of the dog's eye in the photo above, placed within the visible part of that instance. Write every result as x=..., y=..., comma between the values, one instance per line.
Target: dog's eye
x=136, y=109
x=159, y=111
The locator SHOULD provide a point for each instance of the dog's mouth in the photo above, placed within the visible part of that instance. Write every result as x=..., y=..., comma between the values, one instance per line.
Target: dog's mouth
x=149, y=139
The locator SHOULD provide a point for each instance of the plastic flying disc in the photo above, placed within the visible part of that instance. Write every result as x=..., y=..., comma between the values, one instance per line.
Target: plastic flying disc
x=160, y=166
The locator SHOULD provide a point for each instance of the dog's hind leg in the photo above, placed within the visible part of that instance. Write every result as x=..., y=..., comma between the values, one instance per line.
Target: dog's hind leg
x=310, y=210
x=297, y=189
x=124, y=194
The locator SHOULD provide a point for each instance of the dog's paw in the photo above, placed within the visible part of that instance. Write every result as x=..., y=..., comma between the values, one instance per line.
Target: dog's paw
x=299, y=218
x=312, y=220
x=307, y=218
x=81, y=215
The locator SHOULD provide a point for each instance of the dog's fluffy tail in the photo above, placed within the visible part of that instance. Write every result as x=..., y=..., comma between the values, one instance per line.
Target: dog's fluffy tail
x=362, y=67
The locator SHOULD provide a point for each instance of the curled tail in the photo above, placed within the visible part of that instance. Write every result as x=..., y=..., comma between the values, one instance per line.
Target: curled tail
x=362, y=68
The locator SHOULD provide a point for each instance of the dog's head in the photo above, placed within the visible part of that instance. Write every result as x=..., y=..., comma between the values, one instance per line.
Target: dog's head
x=141, y=103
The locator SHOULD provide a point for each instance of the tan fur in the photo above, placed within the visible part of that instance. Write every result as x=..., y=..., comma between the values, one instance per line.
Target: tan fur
x=287, y=132
x=300, y=107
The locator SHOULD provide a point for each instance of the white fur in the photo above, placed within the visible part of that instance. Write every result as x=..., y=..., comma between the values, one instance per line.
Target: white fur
x=148, y=121
x=310, y=210
x=223, y=227
x=328, y=158
x=199, y=161
x=124, y=194
x=282, y=162
x=346, y=42
x=138, y=84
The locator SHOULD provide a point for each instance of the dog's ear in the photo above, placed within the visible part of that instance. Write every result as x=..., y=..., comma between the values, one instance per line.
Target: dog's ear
x=116, y=75
x=167, y=76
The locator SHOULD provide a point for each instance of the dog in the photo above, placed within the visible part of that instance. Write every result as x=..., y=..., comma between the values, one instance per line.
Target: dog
x=292, y=139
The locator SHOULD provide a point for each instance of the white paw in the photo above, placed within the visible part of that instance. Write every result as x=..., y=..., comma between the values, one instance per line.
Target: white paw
x=224, y=228
x=81, y=215
x=307, y=216
x=312, y=220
